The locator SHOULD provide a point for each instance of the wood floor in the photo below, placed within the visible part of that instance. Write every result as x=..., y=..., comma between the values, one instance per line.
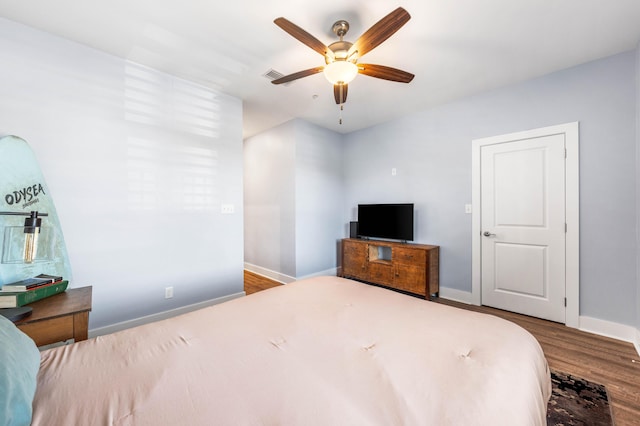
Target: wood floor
x=254, y=283
x=610, y=362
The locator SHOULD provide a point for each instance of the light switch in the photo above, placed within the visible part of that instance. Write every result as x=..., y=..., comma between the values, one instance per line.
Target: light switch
x=467, y=208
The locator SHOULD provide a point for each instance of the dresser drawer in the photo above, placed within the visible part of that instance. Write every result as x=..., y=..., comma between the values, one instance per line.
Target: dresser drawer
x=409, y=256
x=49, y=331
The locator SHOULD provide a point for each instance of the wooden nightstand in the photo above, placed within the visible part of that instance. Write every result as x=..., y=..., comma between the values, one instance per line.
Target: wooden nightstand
x=58, y=318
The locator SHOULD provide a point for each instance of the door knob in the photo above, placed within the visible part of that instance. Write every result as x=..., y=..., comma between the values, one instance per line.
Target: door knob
x=488, y=234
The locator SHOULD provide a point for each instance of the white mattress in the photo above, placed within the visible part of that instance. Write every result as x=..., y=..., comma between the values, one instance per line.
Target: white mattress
x=323, y=351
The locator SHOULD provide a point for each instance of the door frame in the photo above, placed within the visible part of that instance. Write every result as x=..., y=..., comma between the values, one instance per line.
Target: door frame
x=572, y=208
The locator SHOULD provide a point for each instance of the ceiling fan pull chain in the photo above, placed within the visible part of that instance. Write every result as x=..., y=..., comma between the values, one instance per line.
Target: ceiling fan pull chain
x=341, y=108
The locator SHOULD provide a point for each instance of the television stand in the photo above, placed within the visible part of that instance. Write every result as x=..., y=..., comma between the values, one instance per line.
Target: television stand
x=412, y=268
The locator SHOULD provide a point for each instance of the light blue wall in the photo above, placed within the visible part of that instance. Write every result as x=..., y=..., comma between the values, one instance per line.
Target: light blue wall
x=138, y=163
x=293, y=199
x=432, y=153
x=319, y=198
x=269, y=199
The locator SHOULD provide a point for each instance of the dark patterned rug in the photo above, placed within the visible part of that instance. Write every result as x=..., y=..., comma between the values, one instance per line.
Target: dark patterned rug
x=575, y=401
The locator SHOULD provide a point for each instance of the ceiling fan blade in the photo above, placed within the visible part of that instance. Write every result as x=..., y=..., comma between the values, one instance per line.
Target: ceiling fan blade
x=380, y=31
x=303, y=36
x=340, y=93
x=385, y=73
x=297, y=75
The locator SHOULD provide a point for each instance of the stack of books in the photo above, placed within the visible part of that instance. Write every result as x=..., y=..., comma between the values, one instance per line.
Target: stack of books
x=30, y=290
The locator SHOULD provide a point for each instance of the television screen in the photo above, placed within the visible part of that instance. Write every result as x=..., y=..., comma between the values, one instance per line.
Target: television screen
x=392, y=221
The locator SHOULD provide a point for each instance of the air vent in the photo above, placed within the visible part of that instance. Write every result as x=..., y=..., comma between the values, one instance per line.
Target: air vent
x=274, y=75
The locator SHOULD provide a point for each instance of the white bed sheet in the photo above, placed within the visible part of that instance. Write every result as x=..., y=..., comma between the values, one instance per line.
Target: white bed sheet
x=322, y=351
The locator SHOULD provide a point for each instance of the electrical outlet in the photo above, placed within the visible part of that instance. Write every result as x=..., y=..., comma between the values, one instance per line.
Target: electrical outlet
x=168, y=292
x=227, y=209
x=393, y=171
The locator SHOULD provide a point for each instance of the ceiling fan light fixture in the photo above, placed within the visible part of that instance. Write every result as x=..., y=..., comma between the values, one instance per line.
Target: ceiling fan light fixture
x=340, y=72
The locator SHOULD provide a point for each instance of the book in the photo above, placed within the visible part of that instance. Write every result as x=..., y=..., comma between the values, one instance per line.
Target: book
x=24, y=285
x=21, y=298
x=53, y=278
x=10, y=289
x=31, y=283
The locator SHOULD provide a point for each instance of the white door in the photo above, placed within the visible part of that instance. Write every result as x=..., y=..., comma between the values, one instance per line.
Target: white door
x=523, y=226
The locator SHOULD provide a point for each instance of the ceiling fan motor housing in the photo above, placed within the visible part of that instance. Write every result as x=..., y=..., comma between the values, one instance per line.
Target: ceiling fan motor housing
x=340, y=51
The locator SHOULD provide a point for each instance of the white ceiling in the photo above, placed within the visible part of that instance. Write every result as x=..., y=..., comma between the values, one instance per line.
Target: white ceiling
x=454, y=47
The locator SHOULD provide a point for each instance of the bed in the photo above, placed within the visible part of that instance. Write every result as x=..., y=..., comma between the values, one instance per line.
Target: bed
x=321, y=351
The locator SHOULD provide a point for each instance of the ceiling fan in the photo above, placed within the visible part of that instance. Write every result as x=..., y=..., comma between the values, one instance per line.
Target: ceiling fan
x=341, y=57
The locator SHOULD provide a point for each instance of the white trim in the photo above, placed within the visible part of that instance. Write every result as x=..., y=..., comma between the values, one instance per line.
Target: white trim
x=476, y=269
x=636, y=341
x=456, y=295
x=273, y=275
x=161, y=315
x=572, y=203
x=572, y=213
x=604, y=328
x=282, y=278
x=331, y=272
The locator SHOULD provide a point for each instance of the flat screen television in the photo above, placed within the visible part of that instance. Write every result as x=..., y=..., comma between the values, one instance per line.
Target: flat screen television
x=391, y=221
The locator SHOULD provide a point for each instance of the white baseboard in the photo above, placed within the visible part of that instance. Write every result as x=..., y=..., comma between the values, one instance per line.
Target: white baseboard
x=273, y=275
x=608, y=329
x=331, y=272
x=636, y=343
x=160, y=315
x=456, y=295
x=282, y=278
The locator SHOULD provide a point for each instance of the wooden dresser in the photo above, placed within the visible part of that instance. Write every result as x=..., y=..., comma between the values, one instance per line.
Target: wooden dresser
x=413, y=268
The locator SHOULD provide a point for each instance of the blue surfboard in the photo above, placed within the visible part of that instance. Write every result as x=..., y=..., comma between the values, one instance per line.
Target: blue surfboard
x=25, y=253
